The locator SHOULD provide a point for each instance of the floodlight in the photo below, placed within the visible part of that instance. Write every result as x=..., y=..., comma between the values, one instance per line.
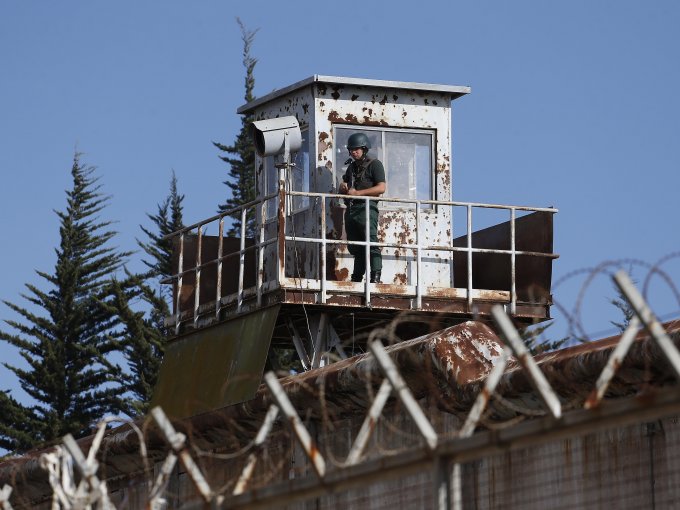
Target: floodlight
x=271, y=136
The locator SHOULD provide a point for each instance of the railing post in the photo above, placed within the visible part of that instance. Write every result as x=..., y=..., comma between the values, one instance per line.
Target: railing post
x=180, y=271
x=367, y=252
x=281, y=228
x=242, y=261
x=513, y=266
x=469, y=257
x=419, y=271
x=323, y=250
x=260, y=255
x=197, y=289
x=218, y=288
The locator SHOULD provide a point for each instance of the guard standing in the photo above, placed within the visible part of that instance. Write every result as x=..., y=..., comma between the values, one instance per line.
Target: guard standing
x=364, y=177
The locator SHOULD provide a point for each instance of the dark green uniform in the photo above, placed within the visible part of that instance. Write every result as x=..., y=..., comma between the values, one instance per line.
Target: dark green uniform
x=363, y=174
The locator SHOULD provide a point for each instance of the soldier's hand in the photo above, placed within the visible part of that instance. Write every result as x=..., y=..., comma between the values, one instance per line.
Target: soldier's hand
x=352, y=192
x=343, y=188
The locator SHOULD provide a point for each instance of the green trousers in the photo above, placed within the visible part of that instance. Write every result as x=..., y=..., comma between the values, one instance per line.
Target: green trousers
x=355, y=226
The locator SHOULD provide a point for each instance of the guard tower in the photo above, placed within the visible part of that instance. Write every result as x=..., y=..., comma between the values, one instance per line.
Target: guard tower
x=285, y=282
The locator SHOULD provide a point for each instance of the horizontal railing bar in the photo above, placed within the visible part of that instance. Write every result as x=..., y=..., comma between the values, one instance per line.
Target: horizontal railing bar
x=378, y=199
x=193, y=269
x=424, y=248
x=426, y=202
x=221, y=215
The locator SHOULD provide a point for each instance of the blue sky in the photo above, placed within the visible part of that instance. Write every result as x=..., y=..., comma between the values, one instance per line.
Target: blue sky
x=574, y=104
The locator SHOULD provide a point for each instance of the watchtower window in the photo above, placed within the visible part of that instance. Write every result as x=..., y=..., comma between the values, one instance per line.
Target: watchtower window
x=407, y=155
x=298, y=178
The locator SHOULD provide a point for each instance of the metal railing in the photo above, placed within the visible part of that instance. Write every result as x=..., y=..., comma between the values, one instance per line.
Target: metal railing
x=271, y=275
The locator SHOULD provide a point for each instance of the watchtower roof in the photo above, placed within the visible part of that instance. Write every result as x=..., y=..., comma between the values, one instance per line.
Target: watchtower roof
x=455, y=91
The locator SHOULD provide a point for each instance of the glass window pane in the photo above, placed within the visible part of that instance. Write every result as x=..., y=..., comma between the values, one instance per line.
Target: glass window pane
x=407, y=157
x=409, y=165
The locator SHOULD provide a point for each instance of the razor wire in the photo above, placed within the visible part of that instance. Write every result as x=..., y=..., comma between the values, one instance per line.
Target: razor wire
x=76, y=483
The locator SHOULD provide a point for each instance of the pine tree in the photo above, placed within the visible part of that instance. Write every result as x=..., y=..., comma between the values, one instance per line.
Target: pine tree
x=534, y=341
x=142, y=311
x=625, y=308
x=241, y=155
x=168, y=219
x=67, y=340
x=141, y=339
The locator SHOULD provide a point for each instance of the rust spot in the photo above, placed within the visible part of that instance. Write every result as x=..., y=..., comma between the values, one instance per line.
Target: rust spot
x=336, y=94
x=371, y=423
x=321, y=88
x=305, y=108
x=322, y=104
x=313, y=452
x=333, y=116
x=404, y=114
x=485, y=394
x=329, y=164
x=592, y=402
x=395, y=97
x=383, y=101
x=354, y=97
x=370, y=111
x=400, y=279
x=434, y=103
x=342, y=275
x=322, y=145
x=351, y=118
x=426, y=101
x=368, y=122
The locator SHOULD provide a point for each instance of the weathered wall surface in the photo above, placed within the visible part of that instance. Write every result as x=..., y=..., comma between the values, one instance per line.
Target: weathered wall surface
x=318, y=108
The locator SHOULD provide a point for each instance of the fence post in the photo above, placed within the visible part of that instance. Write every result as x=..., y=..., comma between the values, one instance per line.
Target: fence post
x=177, y=442
x=646, y=316
x=5, y=493
x=301, y=433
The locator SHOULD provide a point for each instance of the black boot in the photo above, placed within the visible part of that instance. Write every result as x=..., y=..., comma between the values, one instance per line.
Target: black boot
x=357, y=277
x=375, y=277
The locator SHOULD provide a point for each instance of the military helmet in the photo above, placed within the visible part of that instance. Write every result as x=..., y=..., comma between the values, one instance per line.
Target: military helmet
x=357, y=140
